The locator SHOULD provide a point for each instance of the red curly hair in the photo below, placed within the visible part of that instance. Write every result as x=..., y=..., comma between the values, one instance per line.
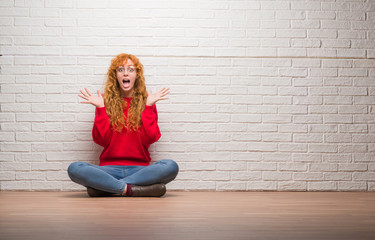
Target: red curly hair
x=114, y=101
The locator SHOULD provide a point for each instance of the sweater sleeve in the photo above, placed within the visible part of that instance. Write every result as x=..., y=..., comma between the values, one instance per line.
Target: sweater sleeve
x=101, y=132
x=150, y=130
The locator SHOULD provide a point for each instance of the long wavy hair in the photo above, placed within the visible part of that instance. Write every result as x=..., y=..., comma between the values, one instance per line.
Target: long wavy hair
x=114, y=101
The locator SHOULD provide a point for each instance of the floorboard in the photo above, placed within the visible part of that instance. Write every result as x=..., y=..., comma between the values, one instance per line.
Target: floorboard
x=189, y=215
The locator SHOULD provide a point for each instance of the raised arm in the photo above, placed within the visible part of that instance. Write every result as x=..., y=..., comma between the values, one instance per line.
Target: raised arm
x=150, y=129
x=101, y=131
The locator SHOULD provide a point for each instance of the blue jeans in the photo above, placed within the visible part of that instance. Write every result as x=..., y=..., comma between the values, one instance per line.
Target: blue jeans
x=114, y=178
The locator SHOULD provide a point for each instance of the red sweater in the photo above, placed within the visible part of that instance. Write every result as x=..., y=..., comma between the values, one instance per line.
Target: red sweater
x=126, y=148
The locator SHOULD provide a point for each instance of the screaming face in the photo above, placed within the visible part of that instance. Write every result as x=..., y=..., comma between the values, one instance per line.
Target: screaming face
x=126, y=76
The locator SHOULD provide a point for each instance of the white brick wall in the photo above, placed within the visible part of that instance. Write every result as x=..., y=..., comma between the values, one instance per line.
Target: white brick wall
x=265, y=95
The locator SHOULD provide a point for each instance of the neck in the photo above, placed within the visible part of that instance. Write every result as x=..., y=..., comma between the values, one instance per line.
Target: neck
x=127, y=94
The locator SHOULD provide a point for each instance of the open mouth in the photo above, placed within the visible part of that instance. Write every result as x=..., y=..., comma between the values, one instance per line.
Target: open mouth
x=126, y=83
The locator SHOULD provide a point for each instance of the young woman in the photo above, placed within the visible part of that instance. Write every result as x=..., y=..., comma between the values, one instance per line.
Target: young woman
x=126, y=124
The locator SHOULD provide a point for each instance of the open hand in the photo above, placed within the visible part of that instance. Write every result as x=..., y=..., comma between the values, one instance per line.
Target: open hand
x=159, y=95
x=96, y=100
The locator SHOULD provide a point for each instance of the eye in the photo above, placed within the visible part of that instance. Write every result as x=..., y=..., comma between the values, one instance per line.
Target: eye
x=120, y=69
x=131, y=70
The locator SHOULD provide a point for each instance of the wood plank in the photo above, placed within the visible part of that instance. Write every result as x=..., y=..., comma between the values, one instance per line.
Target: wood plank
x=189, y=215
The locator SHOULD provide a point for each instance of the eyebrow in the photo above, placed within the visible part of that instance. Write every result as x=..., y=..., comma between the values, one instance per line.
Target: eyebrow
x=128, y=66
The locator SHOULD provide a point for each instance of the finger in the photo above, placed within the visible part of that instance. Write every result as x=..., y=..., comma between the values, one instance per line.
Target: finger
x=83, y=93
x=84, y=97
x=163, y=90
x=150, y=92
x=164, y=94
x=99, y=95
x=88, y=92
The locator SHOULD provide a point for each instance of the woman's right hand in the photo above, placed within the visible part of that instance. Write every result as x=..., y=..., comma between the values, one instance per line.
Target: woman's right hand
x=96, y=100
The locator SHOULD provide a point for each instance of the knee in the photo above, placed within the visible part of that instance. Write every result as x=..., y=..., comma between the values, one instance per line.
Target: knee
x=171, y=166
x=73, y=168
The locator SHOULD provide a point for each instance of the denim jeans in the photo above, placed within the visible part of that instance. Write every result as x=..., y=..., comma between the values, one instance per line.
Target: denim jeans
x=113, y=178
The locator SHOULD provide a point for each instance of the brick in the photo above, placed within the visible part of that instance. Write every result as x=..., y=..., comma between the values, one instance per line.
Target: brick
x=262, y=185
x=277, y=157
x=310, y=157
x=286, y=147
x=352, y=186
x=15, y=185
x=46, y=186
x=322, y=186
x=323, y=167
x=352, y=148
x=7, y=176
x=292, y=186
x=337, y=158
x=262, y=167
x=295, y=167
x=322, y=148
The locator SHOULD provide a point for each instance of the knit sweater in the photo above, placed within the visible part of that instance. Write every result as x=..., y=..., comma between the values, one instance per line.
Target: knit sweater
x=127, y=147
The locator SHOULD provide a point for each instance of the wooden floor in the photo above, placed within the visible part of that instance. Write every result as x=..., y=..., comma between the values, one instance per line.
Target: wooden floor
x=189, y=215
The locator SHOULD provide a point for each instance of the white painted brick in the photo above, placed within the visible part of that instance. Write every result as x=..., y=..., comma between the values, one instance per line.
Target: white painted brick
x=246, y=137
x=46, y=186
x=360, y=157
x=337, y=6
x=292, y=186
x=352, y=148
x=262, y=185
x=337, y=176
x=262, y=147
x=337, y=138
x=338, y=119
x=293, y=128
x=277, y=176
x=350, y=91
x=12, y=166
x=292, y=109
x=30, y=175
x=322, y=148
x=277, y=157
x=231, y=166
x=304, y=43
x=261, y=167
x=215, y=176
x=256, y=86
x=322, y=186
x=246, y=176
x=351, y=53
x=272, y=137
x=352, y=186
x=262, y=109
x=337, y=158
x=276, y=119
x=7, y=176
x=323, y=167
x=308, y=176
x=364, y=176
x=310, y=157
x=15, y=185
x=15, y=147
x=323, y=109
x=295, y=147
x=262, y=128
x=43, y=147
x=358, y=100
x=295, y=167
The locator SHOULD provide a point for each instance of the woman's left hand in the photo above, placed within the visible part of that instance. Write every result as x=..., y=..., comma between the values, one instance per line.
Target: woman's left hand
x=159, y=95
